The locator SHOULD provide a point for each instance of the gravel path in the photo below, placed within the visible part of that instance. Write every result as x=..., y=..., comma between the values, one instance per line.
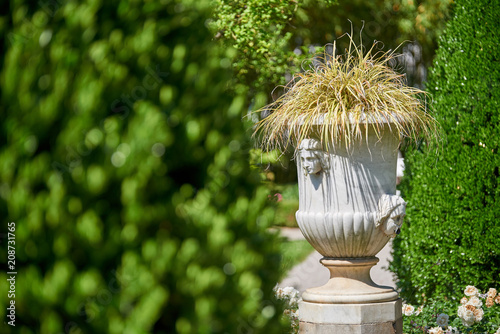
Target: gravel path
x=310, y=273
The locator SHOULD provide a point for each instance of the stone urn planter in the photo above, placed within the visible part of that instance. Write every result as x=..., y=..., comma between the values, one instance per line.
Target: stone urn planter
x=345, y=118
x=348, y=211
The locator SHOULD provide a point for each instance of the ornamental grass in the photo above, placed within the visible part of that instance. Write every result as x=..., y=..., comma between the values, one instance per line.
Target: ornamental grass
x=335, y=98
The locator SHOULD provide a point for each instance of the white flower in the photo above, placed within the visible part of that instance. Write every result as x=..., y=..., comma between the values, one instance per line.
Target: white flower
x=474, y=301
x=467, y=323
x=289, y=290
x=419, y=310
x=478, y=314
x=464, y=300
x=471, y=291
x=466, y=314
x=408, y=310
x=498, y=331
x=294, y=296
x=436, y=330
x=290, y=294
x=442, y=320
x=460, y=311
x=492, y=292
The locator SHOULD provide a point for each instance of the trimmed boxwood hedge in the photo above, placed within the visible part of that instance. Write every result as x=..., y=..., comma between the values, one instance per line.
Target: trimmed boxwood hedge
x=451, y=236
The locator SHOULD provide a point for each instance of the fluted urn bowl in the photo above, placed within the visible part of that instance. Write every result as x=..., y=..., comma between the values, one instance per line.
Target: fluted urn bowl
x=348, y=210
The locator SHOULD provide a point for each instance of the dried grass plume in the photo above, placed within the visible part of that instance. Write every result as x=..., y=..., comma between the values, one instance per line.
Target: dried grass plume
x=334, y=100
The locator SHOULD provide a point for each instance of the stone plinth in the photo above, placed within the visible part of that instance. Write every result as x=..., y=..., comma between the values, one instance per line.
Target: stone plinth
x=373, y=318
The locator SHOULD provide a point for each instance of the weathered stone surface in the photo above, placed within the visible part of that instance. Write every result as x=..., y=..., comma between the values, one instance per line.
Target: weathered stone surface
x=376, y=318
x=378, y=328
x=350, y=283
x=348, y=211
x=348, y=207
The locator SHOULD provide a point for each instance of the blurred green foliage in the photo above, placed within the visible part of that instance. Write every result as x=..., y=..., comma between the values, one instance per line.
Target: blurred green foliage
x=124, y=165
x=450, y=239
x=391, y=22
x=286, y=197
x=273, y=38
x=256, y=30
x=294, y=252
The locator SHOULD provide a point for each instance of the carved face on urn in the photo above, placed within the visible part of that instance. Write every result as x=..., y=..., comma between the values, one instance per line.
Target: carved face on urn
x=391, y=212
x=311, y=156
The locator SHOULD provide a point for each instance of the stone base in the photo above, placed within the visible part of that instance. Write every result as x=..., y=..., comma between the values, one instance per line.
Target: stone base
x=382, y=328
x=350, y=283
x=375, y=318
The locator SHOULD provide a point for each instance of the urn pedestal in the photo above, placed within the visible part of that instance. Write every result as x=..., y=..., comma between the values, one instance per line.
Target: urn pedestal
x=373, y=318
x=348, y=211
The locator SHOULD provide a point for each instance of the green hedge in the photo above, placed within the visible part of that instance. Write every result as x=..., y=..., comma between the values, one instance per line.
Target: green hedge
x=125, y=168
x=452, y=232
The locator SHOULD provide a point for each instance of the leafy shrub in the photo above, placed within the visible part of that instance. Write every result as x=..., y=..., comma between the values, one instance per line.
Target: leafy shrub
x=451, y=235
x=475, y=313
x=257, y=31
x=124, y=166
x=292, y=298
